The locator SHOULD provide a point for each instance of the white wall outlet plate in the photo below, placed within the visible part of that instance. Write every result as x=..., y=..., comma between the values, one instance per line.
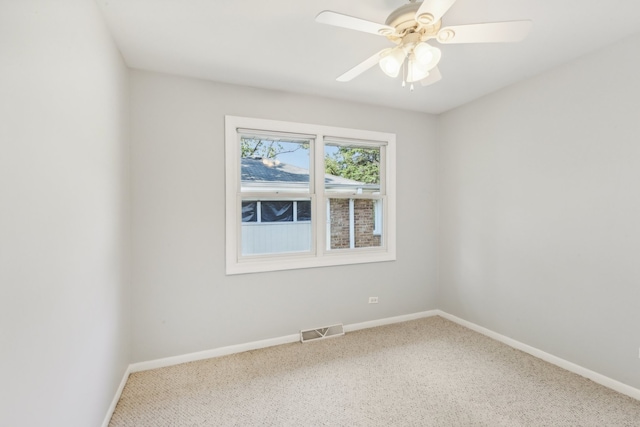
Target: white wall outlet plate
x=373, y=300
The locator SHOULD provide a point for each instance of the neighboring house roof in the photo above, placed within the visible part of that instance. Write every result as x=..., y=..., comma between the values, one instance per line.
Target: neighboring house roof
x=259, y=172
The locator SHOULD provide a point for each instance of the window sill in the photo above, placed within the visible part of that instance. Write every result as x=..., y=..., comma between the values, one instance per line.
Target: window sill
x=303, y=261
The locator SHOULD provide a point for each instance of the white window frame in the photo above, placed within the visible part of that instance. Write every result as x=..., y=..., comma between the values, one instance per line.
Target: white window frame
x=318, y=256
x=377, y=218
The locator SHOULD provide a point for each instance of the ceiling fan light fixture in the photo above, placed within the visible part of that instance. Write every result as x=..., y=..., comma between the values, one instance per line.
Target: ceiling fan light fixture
x=391, y=62
x=410, y=27
x=415, y=70
x=427, y=55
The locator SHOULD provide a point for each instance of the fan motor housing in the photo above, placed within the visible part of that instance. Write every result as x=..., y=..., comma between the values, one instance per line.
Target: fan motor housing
x=403, y=19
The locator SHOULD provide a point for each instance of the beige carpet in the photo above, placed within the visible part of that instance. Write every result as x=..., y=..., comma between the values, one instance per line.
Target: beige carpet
x=427, y=372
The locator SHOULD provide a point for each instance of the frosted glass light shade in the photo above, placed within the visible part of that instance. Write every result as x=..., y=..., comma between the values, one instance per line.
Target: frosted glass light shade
x=416, y=71
x=391, y=62
x=427, y=55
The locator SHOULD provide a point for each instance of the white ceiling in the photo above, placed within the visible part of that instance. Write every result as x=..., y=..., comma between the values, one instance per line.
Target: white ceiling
x=276, y=44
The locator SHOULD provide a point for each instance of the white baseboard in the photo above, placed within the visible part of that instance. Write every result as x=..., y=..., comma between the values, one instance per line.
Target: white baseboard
x=554, y=360
x=389, y=320
x=239, y=348
x=114, y=402
x=215, y=352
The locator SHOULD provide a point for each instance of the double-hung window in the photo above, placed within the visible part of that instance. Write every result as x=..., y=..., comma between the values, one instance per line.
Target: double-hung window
x=300, y=195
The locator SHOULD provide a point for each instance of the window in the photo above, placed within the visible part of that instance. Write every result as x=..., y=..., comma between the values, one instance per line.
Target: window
x=352, y=183
x=300, y=195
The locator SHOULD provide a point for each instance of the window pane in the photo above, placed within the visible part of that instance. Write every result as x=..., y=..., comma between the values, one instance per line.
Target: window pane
x=304, y=210
x=274, y=165
x=249, y=212
x=364, y=223
x=352, y=169
x=351, y=224
x=338, y=224
x=276, y=211
x=276, y=232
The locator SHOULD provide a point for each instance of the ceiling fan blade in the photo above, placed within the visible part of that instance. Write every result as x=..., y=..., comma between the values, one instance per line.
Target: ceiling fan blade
x=361, y=67
x=431, y=11
x=434, y=76
x=494, y=32
x=353, y=23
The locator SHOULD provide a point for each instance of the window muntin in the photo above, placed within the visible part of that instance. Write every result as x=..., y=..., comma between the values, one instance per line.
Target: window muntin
x=368, y=156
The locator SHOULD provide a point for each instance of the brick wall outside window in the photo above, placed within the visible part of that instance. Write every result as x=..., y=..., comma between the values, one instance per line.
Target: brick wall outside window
x=339, y=212
x=364, y=224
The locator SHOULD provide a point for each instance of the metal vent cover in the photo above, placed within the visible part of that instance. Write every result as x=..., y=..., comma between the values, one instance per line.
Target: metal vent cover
x=321, y=333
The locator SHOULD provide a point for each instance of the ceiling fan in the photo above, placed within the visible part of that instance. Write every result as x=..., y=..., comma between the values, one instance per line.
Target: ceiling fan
x=410, y=27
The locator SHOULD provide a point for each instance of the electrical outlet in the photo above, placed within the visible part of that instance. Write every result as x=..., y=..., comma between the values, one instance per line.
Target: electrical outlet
x=373, y=300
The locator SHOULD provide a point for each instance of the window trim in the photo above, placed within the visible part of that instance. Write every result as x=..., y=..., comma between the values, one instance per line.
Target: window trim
x=318, y=256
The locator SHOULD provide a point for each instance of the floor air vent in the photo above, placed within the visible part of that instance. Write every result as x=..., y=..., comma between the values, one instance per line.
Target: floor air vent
x=321, y=333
